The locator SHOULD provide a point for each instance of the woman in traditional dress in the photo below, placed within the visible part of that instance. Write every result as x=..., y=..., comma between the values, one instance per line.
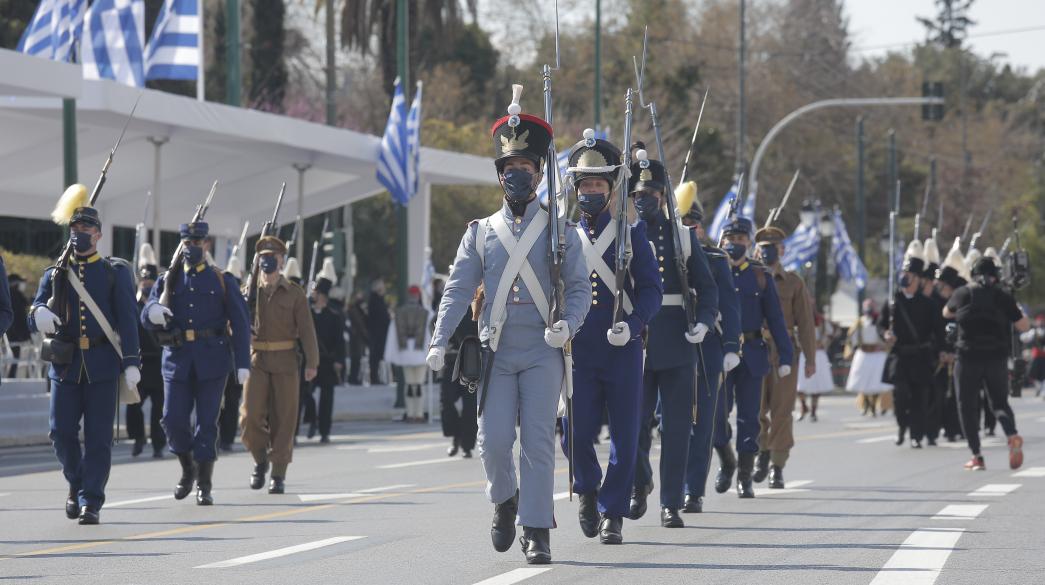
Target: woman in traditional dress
x=868, y=351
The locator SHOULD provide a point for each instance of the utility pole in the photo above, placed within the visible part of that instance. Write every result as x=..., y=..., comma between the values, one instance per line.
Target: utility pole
x=232, y=46
x=892, y=169
x=402, y=68
x=70, y=164
x=598, y=66
x=331, y=79
x=861, y=201
x=742, y=99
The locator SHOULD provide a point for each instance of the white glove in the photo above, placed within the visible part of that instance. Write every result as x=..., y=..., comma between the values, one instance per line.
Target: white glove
x=133, y=375
x=697, y=334
x=436, y=358
x=1028, y=336
x=158, y=314
x=46, y=321
x=730, y=361
x=619, y=335
x=558, y=334
x=241, y=375
x=783, y=371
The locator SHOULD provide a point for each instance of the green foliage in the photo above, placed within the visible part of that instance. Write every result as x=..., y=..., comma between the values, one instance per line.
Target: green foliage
x=29, y=267
x=268, y=70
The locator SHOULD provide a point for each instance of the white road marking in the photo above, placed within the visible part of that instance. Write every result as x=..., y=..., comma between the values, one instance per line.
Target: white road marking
x=139, y=501
x=5, y=494
x=387, y=488
x=880, y=439
x=960, y=512
x=1029, y=472
x=513, y=576
x=405, y=448
x=920, y=558
x=280, y=552
x=356, y=494
x=792, y=487
x=422, y=462
x=995, y=489
x=561, y=496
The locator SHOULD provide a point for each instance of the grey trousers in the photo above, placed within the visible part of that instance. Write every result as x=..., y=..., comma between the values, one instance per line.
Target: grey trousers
x=524, y=386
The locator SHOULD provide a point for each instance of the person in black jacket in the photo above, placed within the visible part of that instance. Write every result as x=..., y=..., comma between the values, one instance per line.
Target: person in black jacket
x=330, y=333
x=461, y=427
x=151, y=385
x=358, y=338
x=377, y=320
x=19, y=330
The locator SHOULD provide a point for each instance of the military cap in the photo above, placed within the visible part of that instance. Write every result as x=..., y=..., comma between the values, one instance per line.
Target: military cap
x=647, y=174
x=270, y=245
x=594, y=157
x=324, y=285
x=737, y=225
x=914, y=259
x=770, y=234
x=194, y=231
x=520, y=135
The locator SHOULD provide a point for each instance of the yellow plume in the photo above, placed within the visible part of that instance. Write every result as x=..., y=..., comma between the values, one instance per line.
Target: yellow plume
x=685, y=195
x=74, y=197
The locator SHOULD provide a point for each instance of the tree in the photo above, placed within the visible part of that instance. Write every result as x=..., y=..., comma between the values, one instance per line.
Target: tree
x=268, y=70
x=951, y=24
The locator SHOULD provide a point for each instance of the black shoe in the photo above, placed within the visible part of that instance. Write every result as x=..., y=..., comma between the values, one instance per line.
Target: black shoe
x=536, y=545
x=225, y=447
x=467, y=454
x=812, y=417
x=588, y=513
x=745, y=464
x=900, y=436
x=931, y=441
x=610, y=530
x=916, y=444
x=312, y=429
x=72, y=505
x=139, y=446
x=638, y=506
x=157, y=453
x=727, y=462
x=257, y=479
x=203, y=485
x=776, y=478
x=277, y=486
x=188, y=476
x=324, y=438
x=761, y=467
x=693, y=505
x=89, y=516
x=669, y=518
x=502, y=533
x=454, y=448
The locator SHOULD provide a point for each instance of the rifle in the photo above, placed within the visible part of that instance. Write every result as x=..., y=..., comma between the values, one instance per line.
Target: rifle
x=315, y=255
x=242, y=239
x=293, y=236
x=892, y=259
x=58, y=283
x=139, y=233
x=774, y=213
x=623, y=259
x=271, y=227
x=1016, y=275
x=917, y=226
x=176, y=266
x=693, y=139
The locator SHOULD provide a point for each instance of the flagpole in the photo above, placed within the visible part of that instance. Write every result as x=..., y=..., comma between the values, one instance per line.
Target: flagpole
x=201, y=71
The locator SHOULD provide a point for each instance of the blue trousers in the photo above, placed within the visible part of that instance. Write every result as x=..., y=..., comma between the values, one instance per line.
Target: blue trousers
x=674, y=388
x=708, y=399
x=180, y=399
x=615, y=387
x=744, y=390
x=86, y=469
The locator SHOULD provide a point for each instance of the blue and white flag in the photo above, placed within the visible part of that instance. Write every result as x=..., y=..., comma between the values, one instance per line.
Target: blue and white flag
x=393, y=166
x=749, y=207
x=413, y=142
x=173, y=51
x=801, y=247
x=850, y=266
x=113, y=42
x=54, y=29
x=563, y=160
x=718, y=222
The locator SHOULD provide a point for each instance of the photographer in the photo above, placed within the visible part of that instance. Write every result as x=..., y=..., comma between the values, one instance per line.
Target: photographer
x=984, y=313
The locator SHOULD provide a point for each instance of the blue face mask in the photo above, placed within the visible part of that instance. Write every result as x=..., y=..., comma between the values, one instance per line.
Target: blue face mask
x=518, y=185
x=268, y=264
x=648, y=208
x=736, y=251
x=769, y=254
x=592, y=204
x=81, y=241
x=192, y=254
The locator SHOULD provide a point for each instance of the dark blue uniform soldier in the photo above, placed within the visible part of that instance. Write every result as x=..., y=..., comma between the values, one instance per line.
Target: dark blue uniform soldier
x=671, y=349
x=198, y=352
x=85, y=367
x=720, y=353
x=759, y=305
x=607, y=367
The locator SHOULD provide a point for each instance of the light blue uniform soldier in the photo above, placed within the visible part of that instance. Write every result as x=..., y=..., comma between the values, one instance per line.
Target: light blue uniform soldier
x=759, y=307
x=607, y=371
x=721, y=353
x=671, y=348
x=508, y=254
x=197, y=354
x=85, y=366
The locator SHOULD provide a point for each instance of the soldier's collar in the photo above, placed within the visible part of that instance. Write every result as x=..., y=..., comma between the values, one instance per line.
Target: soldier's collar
x=88, y=260
x=199, y=267
x=743, y=266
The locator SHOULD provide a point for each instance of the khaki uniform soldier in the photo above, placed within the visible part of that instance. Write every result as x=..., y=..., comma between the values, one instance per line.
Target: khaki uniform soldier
x=778, y=393
x=270, y=397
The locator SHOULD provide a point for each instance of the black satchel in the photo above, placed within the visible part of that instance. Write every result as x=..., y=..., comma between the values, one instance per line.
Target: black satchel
x=469, y=367
x=57, y=351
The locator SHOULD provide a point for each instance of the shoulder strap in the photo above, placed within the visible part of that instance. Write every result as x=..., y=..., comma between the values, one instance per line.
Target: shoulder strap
x=481, y=229
x=687, y=243
x=760, y=277
x=221, y=280
x=92, y=306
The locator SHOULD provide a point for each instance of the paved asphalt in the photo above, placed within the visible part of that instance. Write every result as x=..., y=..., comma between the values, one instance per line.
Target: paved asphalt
x=384, y=504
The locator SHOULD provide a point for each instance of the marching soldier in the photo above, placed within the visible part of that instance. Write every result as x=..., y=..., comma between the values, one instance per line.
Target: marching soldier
x=759, y=307
x=151, y=386
x=721, y=353
x=938, y=389
x=672, y=348
x=607, y=370
x=198, y=351
x=330, y=338
x=949, y=278
x=85, y=366
x=228, y=420
x=777, y=437
x=508, y=253
x=269, y=413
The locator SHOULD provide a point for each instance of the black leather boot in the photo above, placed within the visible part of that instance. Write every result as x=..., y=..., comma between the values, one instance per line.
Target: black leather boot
x=901, y=433
x=257, y=479
x=139, y=446
x=637, y=508
x=669, y=518
x=536, y=545
x=502, y=533
x=745, y=465
x=761, y=467
x=454, y=448
x=188, y=476
x=203, y=484
x=610, y=530
x=277, y=486
x=727, y=464
x=693, y=504
x=72, y=504
x=89, y=515
x=776, y=478
x=588, y=513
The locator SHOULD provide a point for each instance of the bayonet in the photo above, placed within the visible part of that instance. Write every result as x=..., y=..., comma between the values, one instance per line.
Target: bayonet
x=774, y=213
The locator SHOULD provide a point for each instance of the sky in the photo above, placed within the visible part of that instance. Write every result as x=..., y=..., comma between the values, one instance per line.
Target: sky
x=874, y=23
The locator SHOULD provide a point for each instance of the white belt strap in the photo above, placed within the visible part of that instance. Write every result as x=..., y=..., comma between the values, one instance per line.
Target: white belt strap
x=672, y=300
x=517, y=266
x=593, y=258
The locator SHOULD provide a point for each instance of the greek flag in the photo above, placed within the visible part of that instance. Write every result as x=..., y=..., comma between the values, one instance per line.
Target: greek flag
x=801, y=246
x=563, y=160
x=749, y=207
x=850, y=267
x=721, y=215
x=173, y=51
x=397, y=162
x=54, y=29
x=113, y=42
x=413, y=141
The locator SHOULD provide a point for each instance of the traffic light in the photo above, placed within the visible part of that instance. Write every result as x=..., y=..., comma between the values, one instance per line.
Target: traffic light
x=932, y=112
x=333, y=242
